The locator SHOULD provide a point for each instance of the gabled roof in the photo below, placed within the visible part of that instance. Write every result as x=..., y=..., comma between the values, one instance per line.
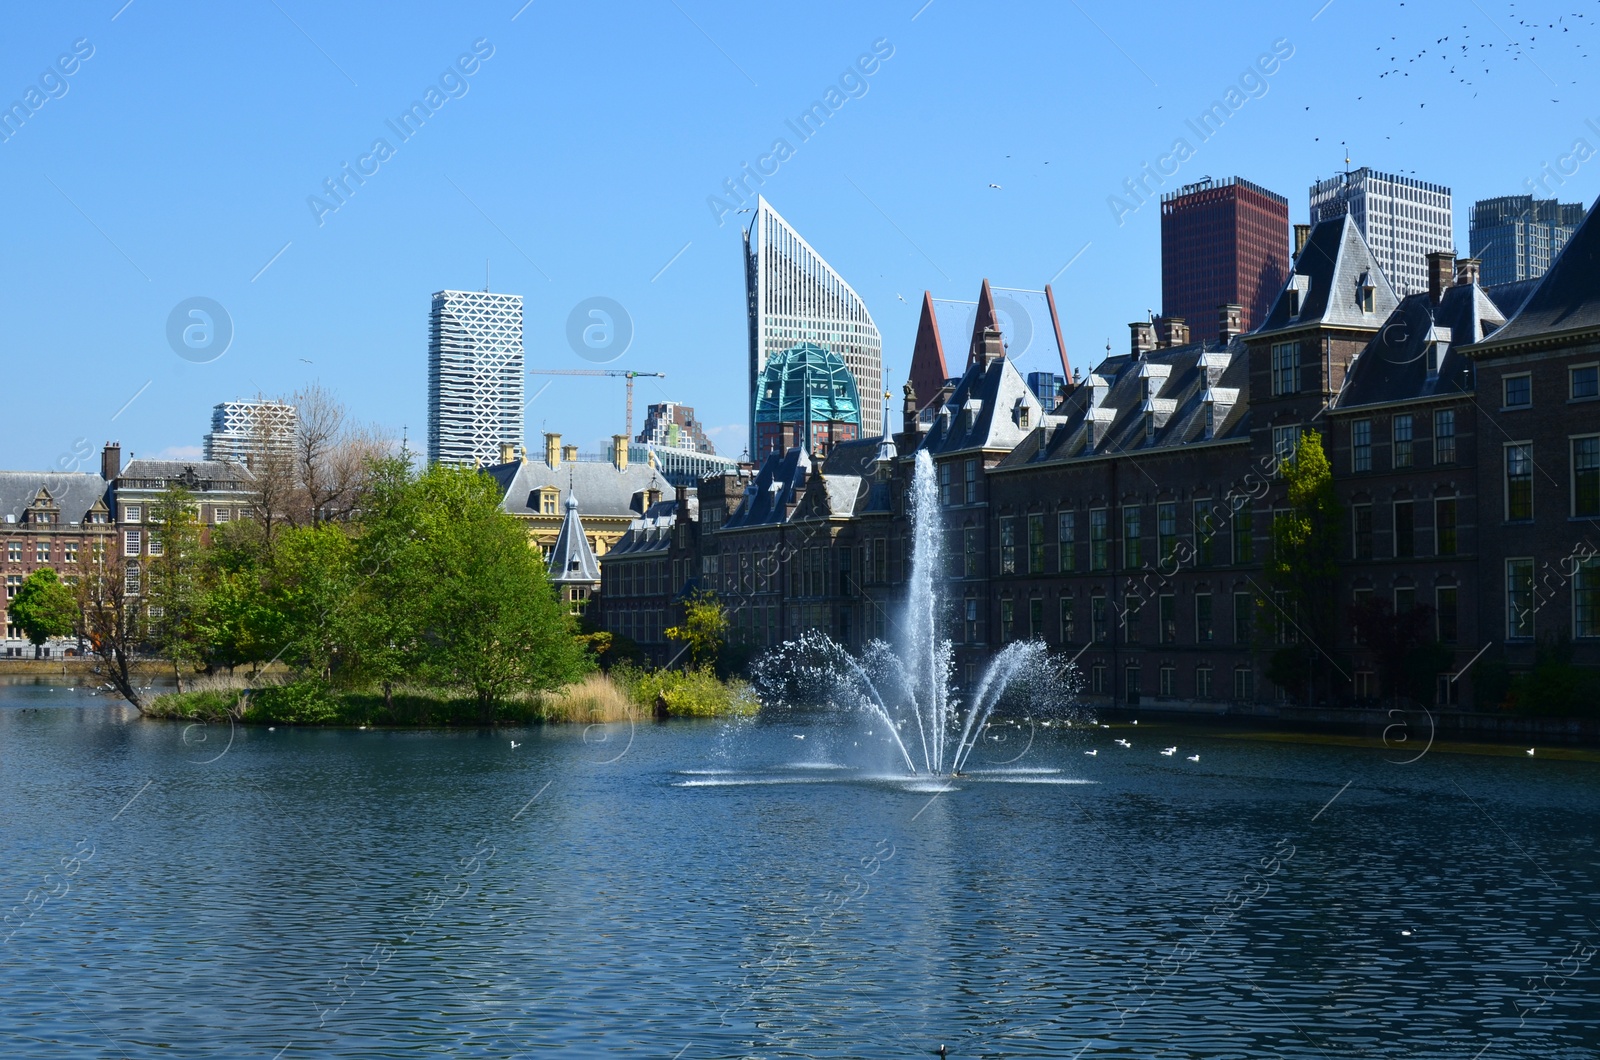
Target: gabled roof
x=1173, y=386
x=928, y=370
x=982, y=412
x=1328, y=275
x=1566, y=300
x=572, y=560
x=74, y=493
x=1394, y=365
x=606, y=492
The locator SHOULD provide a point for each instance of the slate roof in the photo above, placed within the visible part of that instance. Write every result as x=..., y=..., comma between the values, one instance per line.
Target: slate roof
x=982, y=413
x=1172, y=385
x=651, y=533
x=572, y=560
x=776, y=486
x=1510, y=296
x=74, y=493
x=205, y=474
x=606, y=492
x=1394, y=365
x=1567, y=298
x=1329, y=272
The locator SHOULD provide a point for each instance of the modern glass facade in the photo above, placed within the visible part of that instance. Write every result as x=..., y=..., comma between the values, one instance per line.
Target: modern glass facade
x=242, y=431
x=1403, y=220
x=805, y=395
x=795, y=297
x=475, y=376
x=1516, y=237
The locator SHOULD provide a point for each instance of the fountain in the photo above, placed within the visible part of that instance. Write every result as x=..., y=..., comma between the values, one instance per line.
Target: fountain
x=904, y=686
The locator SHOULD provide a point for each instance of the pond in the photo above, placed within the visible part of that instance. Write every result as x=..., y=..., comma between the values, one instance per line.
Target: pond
x=776, y=888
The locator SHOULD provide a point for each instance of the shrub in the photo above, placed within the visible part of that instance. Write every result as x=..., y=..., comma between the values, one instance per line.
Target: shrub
x=692, y=693
x=299, y=703
x=207, y=705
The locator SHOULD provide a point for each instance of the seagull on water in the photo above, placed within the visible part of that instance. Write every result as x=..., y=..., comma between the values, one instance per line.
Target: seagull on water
x=1169, y=751
x=1530, y=751
x=1091, y=754
x=1194, y=758
x=1123, y=742
x=799, y=736
x=515, y=745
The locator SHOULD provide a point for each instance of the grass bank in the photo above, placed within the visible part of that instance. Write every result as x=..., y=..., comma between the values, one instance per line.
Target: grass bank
x=625, y=694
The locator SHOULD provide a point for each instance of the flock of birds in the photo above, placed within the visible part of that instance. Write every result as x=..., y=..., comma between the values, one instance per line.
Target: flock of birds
x=1126, y=745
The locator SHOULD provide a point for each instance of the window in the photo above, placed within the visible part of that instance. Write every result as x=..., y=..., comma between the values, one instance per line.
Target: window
x=155, y=544
x=41, y=552
x=1405, y=599
x=1130, y=682
x=13, y=583
x=1405, y=535
x=1401, y=431
x=1097, y=678
x=1131, y=614
x=1444, y=526
x=1519, y=481
x=1167, y=615
x=1363, y=684
x=1361, y=599
x=547, y=502
x=972, y=482
x=130, y=578
x=1205, y=533
x=1202, y=681
x=1285, y=444
x=969, y=550
x=947, y=492
x=1097, y=618
x=1519, y=599
x=1007, y=620
x=1036, y=617
x=1131, y=558
x=131, y=542
x=1243, y=533
x=132, y=513
x=1022, y=416
x=1008, y=545
x=1036, y=544
x=1098, y=550
x=1586, y=476
x=1365, y=297
x=972, y=620
x=1448, y=691
x=1285, y=368
x=1244, y=684
x=1360, y=445
x=14, y=551
x=1583, y=382
x=1204, y=630
x=1586, y=598
x=219, y=515
x=1362, y=530
x=1518, y=391
x=1243, y=626
x=1444, y=436
x=1067, y=540
x=1446, y=613
x=1069, y=620
x=1166, y=532
x=1166, y=675
x=69, y=552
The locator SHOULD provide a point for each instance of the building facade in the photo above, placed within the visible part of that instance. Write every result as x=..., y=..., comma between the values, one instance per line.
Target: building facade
x=1402, y=219
x=475, y=376
x=1224, y=242
x=243, y=431
x=794, y=297
x=670, y=424
x=1516, y=237
x=805, y=396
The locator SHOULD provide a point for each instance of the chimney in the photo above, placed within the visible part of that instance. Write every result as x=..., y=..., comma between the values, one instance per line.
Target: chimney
x=1441, y=271
x=569, y=453
x=111, y=461
x=552, y=450
x=994, y=347
x=652, y=497
x=1301, y=234
x=681, y=496
x=1467, y=272
x=1144, y=337
x=508, y=452
x=1171, y=331
x=619, y=451
x=1230, y=322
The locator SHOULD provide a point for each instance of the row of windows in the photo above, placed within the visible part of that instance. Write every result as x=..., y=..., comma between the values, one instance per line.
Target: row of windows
x=134, y=513
x=1402, y=432
x=42, y=551
x=1583, y=486
x=1403, y=531
x=1204, y=684
x=1208, y=521
x=1583, y=383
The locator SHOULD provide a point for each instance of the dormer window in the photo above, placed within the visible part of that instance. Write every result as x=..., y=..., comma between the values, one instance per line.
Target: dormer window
x=1149, y=426
x=1433, y=359
x=1023, y=415
x=1294, y=302
x=1365, y=296
x=1210, y=419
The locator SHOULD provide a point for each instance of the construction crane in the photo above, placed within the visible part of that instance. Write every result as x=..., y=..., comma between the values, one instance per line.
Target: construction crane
x=614, y=372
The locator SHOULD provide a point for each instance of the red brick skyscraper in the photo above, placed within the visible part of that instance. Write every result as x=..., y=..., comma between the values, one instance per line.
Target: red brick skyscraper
x=1223, y=242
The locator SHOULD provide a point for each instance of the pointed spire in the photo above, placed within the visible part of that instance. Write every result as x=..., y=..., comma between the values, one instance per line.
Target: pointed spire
x=928, y=369
x=572, y=560
x=983, y=320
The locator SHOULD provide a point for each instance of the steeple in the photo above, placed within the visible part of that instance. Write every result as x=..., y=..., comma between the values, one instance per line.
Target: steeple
x=572, y=561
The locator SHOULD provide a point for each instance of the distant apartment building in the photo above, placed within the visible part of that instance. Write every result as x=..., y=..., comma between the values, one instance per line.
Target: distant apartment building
x=1402, y=219
x=1222, y=243
x=243, y=431
x=1516, y=237
x=795, y=297
x=671, y=424
x=475, y=376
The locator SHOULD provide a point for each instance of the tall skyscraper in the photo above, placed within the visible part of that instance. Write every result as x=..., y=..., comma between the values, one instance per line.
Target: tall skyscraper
x=474, y=376
x=1516, y=237
x=1222, y=243
x=795, y=297
x=244, y=431
x=1402, y=220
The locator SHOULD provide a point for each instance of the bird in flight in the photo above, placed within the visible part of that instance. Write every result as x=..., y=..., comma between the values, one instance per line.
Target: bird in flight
x=996, y=187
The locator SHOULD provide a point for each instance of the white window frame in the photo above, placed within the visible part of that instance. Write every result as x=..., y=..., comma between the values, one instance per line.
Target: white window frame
x=1505, y=479
x=132, y=540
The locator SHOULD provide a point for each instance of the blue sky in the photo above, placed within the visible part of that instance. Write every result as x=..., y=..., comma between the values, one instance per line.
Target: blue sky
x=178, y=159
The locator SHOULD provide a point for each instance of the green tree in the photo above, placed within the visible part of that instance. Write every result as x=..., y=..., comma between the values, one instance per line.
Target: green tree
x=492, y=623
x=1303, y=571
x=704, y=629
x=311, y=594
x=172, y=580
x=43, y=608
x=1407, y=656
x=113, y=614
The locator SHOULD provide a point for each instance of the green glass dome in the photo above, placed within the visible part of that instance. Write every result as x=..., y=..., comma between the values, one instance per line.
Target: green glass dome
x=807, y=383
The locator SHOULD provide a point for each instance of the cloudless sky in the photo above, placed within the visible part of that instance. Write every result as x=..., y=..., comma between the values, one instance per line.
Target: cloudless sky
x=179, y=161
